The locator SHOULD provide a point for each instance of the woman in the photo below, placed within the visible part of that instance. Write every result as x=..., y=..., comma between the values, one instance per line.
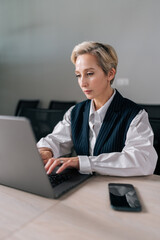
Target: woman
x=110, y=134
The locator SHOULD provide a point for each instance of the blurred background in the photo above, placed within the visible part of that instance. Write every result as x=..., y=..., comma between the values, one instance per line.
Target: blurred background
x=37, y=38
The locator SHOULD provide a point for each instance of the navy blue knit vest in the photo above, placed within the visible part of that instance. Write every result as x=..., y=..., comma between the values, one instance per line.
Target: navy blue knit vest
x=112, y=135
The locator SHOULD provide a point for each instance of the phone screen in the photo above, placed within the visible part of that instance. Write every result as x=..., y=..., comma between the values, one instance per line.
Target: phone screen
x=123, y=197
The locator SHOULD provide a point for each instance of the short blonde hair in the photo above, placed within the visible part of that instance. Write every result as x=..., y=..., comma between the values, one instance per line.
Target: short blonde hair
x=105, y=54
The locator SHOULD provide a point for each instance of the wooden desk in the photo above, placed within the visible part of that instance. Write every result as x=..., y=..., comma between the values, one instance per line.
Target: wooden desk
x=82, y=214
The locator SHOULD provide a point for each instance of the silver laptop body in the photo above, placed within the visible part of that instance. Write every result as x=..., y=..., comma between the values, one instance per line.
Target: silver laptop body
x=21, y=166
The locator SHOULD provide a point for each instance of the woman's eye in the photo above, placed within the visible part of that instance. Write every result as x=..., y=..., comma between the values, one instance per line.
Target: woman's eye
x=90, y=74
x=77, y=75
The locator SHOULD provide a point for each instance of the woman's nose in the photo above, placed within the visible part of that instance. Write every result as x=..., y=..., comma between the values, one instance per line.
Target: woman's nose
x=83, y=82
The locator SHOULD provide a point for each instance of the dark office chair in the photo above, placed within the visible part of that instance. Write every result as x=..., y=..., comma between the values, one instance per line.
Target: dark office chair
x=65, y=105
x=26, y=104
x=155, y=124
x=153, y=110
x=42, y=120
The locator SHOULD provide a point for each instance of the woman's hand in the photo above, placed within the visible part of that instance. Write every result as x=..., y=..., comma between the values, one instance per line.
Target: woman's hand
x=66, y=162
x=46, y=154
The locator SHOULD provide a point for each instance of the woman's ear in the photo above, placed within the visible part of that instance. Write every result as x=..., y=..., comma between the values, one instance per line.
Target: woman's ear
x=111, y=74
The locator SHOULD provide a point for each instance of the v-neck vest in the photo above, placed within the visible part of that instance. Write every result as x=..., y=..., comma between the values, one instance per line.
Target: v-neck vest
x=112, y=135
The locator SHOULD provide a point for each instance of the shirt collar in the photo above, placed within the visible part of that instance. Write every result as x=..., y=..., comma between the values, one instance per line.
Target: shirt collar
x=102, y=111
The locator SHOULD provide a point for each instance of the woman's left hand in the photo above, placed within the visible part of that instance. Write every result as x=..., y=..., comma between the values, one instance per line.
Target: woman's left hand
x=64, y=162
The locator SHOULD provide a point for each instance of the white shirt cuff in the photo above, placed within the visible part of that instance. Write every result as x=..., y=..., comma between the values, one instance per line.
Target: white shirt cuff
x=84, y=165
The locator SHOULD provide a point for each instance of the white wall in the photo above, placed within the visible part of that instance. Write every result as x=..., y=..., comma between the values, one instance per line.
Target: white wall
x=37, y=37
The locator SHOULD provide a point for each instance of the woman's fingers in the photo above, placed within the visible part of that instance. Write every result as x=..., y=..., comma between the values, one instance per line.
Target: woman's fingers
x=45, y=154
x=64, y=162
x=68, y=162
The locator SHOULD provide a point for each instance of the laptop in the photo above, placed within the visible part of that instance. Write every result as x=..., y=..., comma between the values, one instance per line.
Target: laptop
x=21, y=166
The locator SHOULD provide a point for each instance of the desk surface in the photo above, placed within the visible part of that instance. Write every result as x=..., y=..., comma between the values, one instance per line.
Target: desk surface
x=82, y=214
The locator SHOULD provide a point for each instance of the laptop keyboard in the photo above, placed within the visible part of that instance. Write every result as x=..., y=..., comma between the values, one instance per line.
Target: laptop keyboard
x=56, y=179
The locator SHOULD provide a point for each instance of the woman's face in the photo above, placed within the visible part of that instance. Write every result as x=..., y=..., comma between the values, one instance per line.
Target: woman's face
x=91, y=78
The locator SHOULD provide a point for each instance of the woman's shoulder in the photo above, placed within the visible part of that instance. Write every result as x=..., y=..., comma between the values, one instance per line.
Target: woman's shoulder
x=80, y=108
x=127, y=103
x=82, y=104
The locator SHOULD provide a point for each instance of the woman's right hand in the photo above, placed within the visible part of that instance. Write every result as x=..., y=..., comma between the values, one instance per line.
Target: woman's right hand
x=46, y=154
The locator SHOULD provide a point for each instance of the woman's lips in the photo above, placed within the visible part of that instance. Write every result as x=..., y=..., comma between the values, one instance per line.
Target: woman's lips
x=87, y=91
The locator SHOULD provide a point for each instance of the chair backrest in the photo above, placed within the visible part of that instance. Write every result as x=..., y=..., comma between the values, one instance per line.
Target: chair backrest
x=42, y=120
x=26, y=104
x=61, y=104
x=152, y=109
x=155, y=124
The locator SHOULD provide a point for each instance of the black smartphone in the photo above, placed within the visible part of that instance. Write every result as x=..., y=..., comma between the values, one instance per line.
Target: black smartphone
x=123, y=197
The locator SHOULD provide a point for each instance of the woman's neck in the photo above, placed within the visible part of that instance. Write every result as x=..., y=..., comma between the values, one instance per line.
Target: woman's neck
x=99, y=102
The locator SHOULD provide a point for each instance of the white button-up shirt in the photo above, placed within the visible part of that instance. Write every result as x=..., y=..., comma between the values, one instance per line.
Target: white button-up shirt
x=138, y=157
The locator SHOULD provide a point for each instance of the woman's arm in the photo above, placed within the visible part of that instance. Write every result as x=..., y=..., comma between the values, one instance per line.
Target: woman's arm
x=59, y=142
